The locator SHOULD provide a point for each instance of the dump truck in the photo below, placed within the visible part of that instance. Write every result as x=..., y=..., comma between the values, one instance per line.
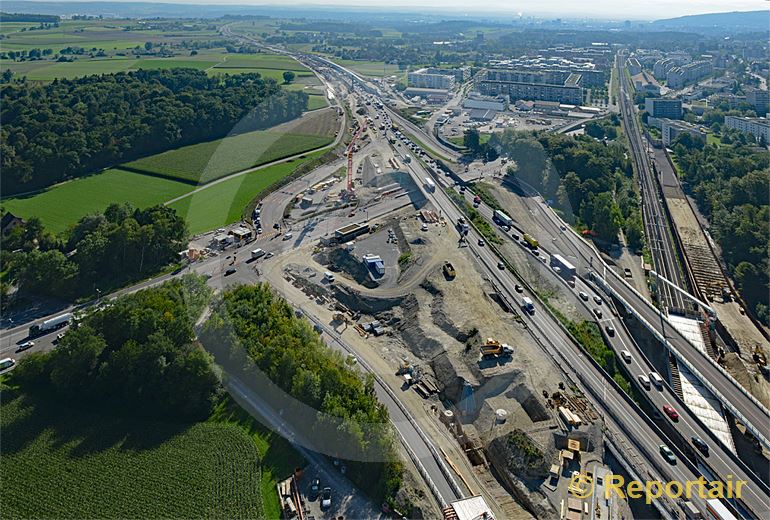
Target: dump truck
x=493, y=349
x=449, y=270
x=532, y=243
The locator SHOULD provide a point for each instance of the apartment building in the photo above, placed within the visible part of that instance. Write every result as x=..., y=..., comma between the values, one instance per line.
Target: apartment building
x=759, y=127
x=663, y=108
x=560, y=86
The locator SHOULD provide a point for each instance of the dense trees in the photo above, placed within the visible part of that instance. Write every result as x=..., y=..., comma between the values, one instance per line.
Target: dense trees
x=100, y=252
x=730, y=186
x=256, y=334
x=589, y=182
x=71, y=127
x=137, y=354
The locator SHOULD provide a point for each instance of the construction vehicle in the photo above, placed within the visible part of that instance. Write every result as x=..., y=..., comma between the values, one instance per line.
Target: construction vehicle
x=404, y=368
x=449, y=270
x=493, y=348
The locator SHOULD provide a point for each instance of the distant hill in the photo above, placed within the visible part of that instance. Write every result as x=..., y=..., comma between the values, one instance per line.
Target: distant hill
x=722, y=22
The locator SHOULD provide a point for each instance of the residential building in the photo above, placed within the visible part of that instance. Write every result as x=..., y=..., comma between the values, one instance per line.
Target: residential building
x=431, y=78
x=9, y=221
x=560, y=86
x=663, y=107
x=759, y=127
x=678, y=77
x=759, y=99
x=669, y=129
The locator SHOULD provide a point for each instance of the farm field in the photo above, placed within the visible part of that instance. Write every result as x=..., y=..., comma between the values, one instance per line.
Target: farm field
x=70, y=463
x=223, y=203
x=63, y=205
x=205, y=162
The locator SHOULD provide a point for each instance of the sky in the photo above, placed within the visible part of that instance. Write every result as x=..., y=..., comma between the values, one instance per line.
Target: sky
x=605, y=9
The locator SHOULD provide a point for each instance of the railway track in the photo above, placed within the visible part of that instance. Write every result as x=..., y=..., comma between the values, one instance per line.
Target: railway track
x=656, y=227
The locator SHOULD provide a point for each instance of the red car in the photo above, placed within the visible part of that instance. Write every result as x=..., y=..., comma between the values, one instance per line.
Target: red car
x=672, y=414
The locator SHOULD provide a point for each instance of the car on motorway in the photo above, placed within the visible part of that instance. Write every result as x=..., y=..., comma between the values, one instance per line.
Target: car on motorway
x=598, y=300
x=583, y=296
x=501, y=266
x=667, y=454
x=24, y=346
x=700, y=444
x=644, y=381
x=230, y=271
x=326, y=497
x=626, y=355
x=571, y=283
x=656, y=380
x=598, y=313
x=610, y=330
x=514, y=235
x=671, y=412
x=315, y=488
x=481, y=242
x=519, y=288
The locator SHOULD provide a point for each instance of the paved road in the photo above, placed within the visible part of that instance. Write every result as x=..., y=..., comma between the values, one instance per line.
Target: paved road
x=721, y=460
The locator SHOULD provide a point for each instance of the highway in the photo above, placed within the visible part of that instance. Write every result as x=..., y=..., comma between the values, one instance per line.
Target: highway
x=720, y=460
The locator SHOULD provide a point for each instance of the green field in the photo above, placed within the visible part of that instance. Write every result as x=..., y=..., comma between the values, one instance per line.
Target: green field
x=205, y=162
x=69, y=463
x=369, y=68
x=64, y=204
x=223, y=203
x=315, y=102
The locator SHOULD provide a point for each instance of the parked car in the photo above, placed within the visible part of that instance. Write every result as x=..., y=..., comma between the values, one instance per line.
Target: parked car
x=671, y=412
x=326, y=498
x=315, y=488
x=667, y=454
x=627, y=272
x=230, y=271
x=701, y=445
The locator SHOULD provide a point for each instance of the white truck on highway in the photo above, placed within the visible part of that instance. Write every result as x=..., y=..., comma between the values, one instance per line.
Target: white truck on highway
x=429, y=184
x=50, y=325
x=527, y=305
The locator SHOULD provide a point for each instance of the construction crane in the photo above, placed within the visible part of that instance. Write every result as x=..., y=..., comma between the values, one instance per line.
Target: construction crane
x=361, y=129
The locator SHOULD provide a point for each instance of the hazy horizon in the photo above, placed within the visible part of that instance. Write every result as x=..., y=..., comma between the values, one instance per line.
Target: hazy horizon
x=603, y=9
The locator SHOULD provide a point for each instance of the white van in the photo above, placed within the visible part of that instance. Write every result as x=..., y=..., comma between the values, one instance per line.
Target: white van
x=329, y=276
x=656, y=379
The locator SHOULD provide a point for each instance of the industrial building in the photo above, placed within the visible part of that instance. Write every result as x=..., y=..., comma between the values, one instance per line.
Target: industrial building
x=476, y=101
x=434, y=96
x=563, y=87
x=759, y=127
x=663, y=108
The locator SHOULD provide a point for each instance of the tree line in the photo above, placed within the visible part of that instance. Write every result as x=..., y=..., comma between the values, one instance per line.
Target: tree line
x=138, y=354
x=256, y=335
x=590, y=182
x=730, y=186
x=71, y=127
x=99, y=253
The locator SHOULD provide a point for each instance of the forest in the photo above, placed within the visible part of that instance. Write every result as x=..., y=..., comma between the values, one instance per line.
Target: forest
x=590, y=182
x=137, y=355
x=100, y=253
x=730, y=185
x=66, y=128
x=255, y=334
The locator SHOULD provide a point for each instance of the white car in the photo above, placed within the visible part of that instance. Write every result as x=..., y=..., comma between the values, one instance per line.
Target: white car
x=598, y=300
x=626, y=355
x=326, y=497
x=644, y=380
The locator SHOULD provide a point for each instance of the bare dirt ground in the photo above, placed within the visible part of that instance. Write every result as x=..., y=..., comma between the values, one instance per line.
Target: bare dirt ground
x=430, y=321
x=738, y=325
